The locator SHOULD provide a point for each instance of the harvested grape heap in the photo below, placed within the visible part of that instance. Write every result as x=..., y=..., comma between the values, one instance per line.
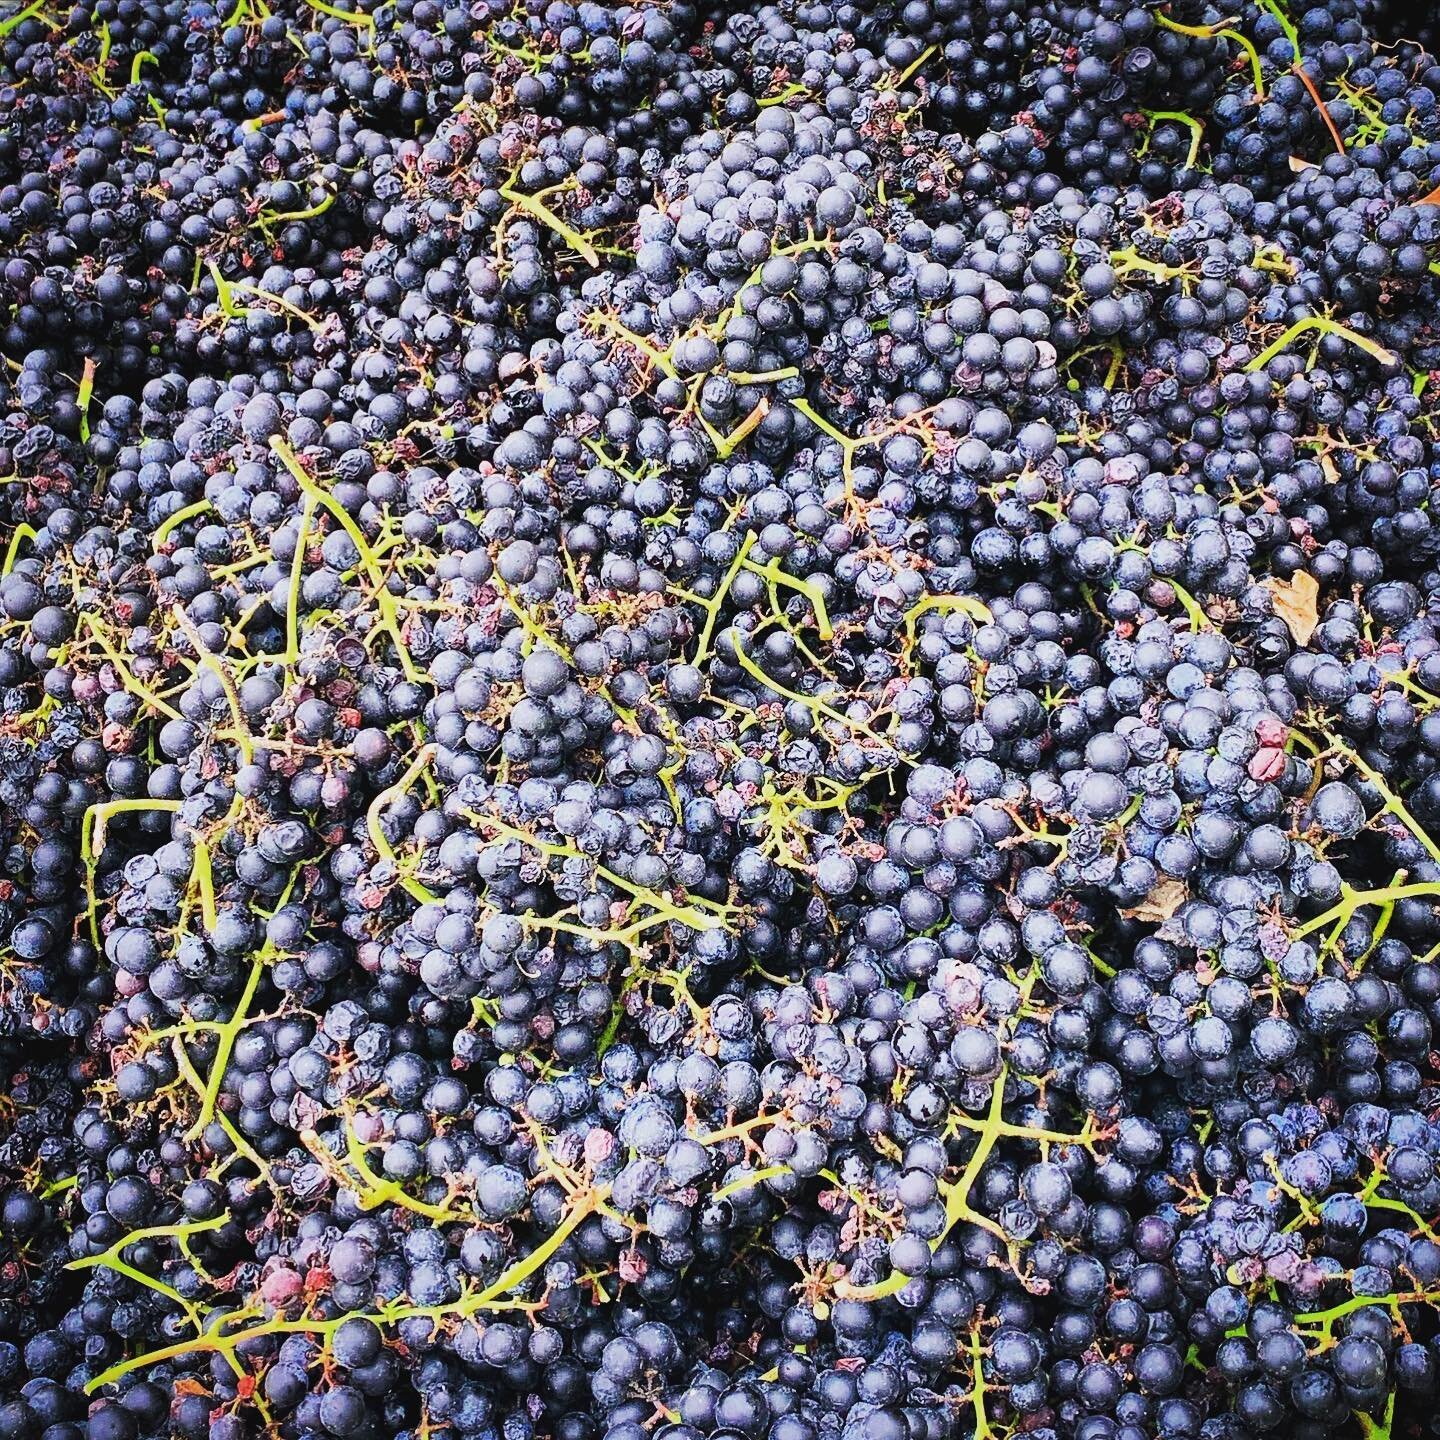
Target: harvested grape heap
x=719, y=728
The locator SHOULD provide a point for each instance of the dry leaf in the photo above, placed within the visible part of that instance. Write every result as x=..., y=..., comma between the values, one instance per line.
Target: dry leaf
x=1295, y=604
x=1299, y=166
x=1164, y=899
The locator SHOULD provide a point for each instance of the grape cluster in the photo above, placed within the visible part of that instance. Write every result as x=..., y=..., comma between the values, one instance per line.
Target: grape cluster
x=719, y=726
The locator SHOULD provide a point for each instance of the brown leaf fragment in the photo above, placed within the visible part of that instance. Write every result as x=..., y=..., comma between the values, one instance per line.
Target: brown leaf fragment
x=1295, y=604
x=1165, y=898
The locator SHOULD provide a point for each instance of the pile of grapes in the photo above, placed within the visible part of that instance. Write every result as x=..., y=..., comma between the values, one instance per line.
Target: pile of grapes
x=719, y=725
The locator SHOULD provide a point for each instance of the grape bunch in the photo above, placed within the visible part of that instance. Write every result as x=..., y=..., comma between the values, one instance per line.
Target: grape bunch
x=719, y=725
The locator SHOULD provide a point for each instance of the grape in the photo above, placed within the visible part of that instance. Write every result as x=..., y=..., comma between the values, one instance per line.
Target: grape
x=718, y=723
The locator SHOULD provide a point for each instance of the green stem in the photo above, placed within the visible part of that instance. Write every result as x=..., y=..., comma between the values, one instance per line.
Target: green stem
x=87, y=374
x=921, y=59
x=1325, y=1319
x=1197, y=617
x=540, y=211
x=20, y=16
x=111, y=1259
x=967, y=605
x=1220, y=30
x=749, y=1182
x=315, y=326
x=92, y=843
x=229, y=1032
x=695, y=918
x=384, y=600
x=307, y=214
x=127, y=679
x=773, y=575
x=816, y=707
x=22, y=533
x=377, y=832
x=1339, y=914
x=350, y=17
x=713, y=603
x=1326, y=327
x=1180, y=117
x=171, y=523
x=216, y=1341
x=979, y=1388
x=1393, y=804
x=957, y=1197
x=1291, y=33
